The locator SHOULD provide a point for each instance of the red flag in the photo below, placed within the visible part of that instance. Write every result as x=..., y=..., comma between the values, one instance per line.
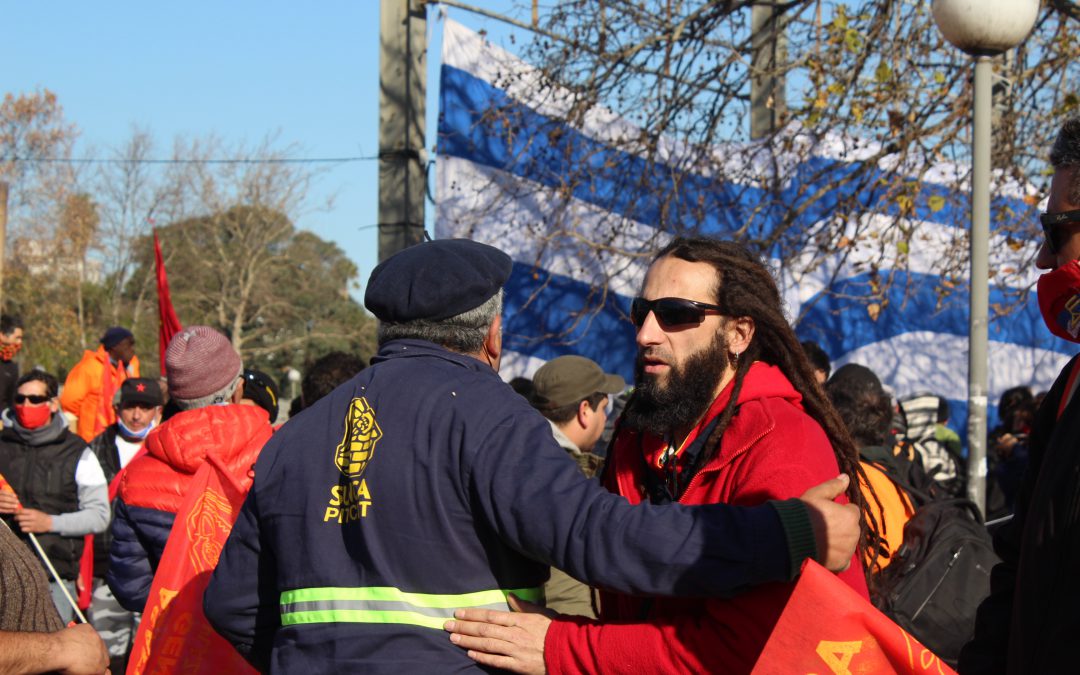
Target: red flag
x=174, y=634
x=169, y=324
x=827, y=627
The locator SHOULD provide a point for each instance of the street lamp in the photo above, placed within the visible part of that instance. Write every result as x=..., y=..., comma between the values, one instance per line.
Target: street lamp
x=981, y=28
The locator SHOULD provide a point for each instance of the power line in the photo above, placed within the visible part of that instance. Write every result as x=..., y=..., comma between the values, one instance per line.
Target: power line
x=265, y=160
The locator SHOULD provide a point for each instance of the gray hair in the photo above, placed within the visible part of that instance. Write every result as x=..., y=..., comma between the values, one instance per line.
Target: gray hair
x=1066, y=155
x=463, y=333
x=223, y=395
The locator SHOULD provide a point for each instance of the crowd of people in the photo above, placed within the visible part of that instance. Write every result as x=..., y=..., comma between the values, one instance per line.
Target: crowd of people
x=92, y=493
x=420, y=515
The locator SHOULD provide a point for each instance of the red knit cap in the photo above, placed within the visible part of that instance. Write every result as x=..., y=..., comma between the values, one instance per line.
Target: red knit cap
x=199, y=362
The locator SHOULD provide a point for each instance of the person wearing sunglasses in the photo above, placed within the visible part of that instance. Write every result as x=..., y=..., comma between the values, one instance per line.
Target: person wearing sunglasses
x=1029, y=621
x=725, y=410
x=424, y=483
x=57, y=490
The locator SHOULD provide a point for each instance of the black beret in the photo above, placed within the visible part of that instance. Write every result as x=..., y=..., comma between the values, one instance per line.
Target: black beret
x=436, y=280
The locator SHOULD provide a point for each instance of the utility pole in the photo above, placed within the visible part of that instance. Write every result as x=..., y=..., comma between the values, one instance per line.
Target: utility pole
x=768, y=105
x=402, y=89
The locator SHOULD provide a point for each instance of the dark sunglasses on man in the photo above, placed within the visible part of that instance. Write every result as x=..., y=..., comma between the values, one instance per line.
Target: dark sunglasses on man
x=36, y=399
x=1051, y=224
x=670, y=311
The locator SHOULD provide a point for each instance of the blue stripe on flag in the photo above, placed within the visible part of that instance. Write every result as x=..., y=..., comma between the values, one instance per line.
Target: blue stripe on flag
x=840, y=323
x=545, y=317
x=527, y=144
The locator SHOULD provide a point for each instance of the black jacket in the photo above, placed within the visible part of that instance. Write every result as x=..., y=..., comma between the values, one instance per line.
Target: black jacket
x=44, y=478
x=9, y=375
x=104, y=447
x=1030, y=620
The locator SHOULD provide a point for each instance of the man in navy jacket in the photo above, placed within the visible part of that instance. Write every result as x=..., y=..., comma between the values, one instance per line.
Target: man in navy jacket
x=423, y=485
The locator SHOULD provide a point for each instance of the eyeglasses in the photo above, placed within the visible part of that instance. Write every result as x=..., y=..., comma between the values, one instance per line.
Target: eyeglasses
x=670, y=311
x=1051, y=224
x=36, y=399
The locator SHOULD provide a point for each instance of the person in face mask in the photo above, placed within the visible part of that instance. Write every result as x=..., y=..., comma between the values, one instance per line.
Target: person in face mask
x=11, y=340
x=1029, y=621
x=138, y=406
x=58, y=489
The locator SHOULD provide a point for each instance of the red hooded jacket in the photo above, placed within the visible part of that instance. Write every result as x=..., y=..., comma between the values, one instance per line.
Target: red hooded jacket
x=771, y=450
x=154, y=486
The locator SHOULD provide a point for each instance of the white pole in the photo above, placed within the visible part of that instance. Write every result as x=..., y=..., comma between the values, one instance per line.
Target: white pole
x=980, y=285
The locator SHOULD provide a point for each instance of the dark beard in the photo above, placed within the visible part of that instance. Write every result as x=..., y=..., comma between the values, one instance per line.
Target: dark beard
x=689, y=392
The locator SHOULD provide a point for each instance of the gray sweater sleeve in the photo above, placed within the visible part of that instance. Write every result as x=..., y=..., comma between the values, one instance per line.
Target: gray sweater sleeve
x=93, y=493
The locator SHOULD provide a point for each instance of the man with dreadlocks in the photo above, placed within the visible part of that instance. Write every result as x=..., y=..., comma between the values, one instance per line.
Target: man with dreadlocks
x=726, y=410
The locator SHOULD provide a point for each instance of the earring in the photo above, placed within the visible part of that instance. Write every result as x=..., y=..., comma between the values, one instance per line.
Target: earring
x=735, y=360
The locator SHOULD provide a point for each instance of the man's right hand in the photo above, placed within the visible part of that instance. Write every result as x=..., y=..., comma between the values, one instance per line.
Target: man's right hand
x=836, y=526
x=9, y=503
x=80, y=651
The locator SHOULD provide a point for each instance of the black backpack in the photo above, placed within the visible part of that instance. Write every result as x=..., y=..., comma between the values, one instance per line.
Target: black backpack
x=939, y=576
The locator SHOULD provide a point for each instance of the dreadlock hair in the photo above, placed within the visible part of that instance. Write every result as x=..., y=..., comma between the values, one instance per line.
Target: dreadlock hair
x=745, y=288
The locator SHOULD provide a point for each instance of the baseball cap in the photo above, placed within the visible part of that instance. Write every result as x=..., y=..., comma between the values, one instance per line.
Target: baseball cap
x=569, y=379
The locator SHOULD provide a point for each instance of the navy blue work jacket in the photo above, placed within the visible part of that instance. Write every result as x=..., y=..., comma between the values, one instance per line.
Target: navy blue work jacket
x=425, y=484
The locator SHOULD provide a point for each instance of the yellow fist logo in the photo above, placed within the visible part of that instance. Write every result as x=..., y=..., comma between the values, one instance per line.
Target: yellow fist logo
x=361, y=434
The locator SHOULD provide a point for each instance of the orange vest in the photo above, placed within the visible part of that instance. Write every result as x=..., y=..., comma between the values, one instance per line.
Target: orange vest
x=890, y=517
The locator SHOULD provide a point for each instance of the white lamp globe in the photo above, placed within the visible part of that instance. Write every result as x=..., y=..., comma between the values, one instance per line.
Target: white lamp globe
x=985, y=27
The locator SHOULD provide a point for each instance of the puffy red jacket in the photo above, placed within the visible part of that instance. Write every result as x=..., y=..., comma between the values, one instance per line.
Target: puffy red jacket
x=155, y=484
x=771, y=450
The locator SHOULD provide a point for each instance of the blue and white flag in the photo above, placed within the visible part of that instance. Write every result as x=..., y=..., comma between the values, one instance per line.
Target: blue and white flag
x=582, y=216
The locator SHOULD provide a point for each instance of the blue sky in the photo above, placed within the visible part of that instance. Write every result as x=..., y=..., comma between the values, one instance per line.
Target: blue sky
x=240, y=70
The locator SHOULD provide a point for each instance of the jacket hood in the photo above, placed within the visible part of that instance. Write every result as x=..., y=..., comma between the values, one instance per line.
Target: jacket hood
x=225, y=431
x=98, y=355
x=768, y=382
x=762, y=381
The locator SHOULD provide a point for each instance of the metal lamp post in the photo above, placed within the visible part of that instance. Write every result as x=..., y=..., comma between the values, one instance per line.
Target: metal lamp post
x=981, y=28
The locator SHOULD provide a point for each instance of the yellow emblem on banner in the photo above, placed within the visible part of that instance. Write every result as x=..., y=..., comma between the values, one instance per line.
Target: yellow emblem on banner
x=358, y=445
x=208, y=526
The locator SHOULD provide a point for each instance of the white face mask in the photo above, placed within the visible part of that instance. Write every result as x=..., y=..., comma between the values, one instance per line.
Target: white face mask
x=138, y=435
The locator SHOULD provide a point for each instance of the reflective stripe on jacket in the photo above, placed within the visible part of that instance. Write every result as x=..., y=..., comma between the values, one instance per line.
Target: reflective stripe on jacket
x=384, y=604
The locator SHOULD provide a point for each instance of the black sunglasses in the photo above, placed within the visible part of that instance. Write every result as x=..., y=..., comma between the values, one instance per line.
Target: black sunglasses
x=1051, y=224
x=670, y=311
x=36, y=399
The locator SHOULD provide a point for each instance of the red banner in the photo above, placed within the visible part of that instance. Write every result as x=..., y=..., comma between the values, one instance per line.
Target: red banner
x=168, y=323
x=174, y=634
x=827, y=627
